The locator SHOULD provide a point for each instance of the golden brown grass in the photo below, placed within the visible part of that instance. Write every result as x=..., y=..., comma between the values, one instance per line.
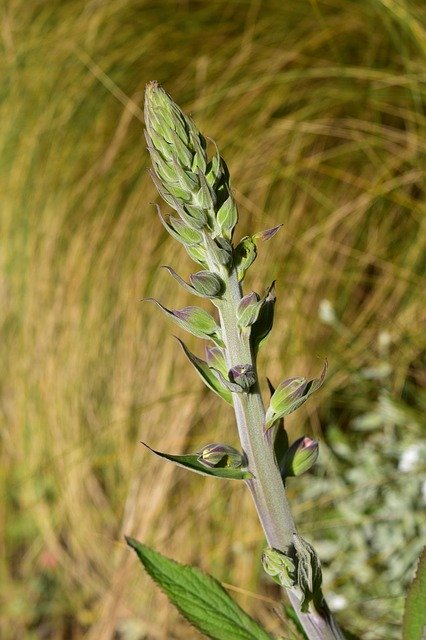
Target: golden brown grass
x=317, y=108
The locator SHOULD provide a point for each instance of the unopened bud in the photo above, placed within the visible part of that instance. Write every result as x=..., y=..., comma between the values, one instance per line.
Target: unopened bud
x=243, y=375
x=207, y=284
x=279, y=566
x=221, y=455
x=248, y=310
x=300, y=457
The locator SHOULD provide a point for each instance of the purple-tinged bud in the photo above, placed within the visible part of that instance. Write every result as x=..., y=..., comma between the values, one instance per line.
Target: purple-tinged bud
x=215, y=359
x=248, y=310
x=221, y=455
x=300, y=457
x=207, y=284
x=243, y=375
x=290, y=395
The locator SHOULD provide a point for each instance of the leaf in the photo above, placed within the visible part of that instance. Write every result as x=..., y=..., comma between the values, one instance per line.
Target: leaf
x=414, y=620
x=207, y=374
x=199, y=597
x=191, y=461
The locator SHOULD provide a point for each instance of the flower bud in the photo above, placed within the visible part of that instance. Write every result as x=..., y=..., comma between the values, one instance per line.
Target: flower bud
x=290, y=395
x=243, y=375
x=245, y=254
x=221, y=455
x=207, y=284
x=280, y=567
x=300, y=457
x=227, y=217
x=248, y=310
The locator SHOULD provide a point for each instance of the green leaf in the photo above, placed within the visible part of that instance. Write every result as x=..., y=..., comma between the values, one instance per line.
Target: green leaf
x=414, y=621
x=191, y=461
x=200, y=598
x=207, y=374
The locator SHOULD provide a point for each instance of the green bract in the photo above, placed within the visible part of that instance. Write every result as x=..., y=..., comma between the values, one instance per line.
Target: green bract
x=194, y=185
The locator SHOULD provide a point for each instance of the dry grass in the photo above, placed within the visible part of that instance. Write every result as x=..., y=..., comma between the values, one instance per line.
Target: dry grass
x=317, y=107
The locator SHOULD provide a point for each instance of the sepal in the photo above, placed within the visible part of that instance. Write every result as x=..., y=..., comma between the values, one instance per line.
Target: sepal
x=239, y=379
x=280, y=567
x=267, y=234
x=191, y=461
x=246, y=251
x=215, y=358
x=244, y=375
x=220, y=249
x=179, y=230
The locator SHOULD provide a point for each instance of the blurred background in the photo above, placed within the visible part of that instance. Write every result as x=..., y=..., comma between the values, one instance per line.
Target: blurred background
x=318, y=109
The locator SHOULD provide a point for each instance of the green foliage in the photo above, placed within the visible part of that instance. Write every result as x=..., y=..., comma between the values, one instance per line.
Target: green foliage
x=194, y=462
x=370, y=483
x=200, y=598
x=414, y=623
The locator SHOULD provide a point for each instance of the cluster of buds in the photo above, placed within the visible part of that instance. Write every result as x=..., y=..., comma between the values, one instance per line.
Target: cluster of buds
x=196, y=187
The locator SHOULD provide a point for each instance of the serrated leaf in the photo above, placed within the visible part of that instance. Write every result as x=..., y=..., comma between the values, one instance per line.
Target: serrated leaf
x=414, y=620
x=207, y=374
x=199, y=597
x=191, y=461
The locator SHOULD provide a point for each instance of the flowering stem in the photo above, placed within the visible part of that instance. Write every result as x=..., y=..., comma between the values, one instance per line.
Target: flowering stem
x=198, y=189
x=266, y=486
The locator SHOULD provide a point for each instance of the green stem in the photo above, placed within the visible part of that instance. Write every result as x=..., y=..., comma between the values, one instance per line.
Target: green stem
x=266, y=487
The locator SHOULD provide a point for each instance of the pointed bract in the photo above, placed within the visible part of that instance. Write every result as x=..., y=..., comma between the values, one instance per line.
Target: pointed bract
x=207, y=374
